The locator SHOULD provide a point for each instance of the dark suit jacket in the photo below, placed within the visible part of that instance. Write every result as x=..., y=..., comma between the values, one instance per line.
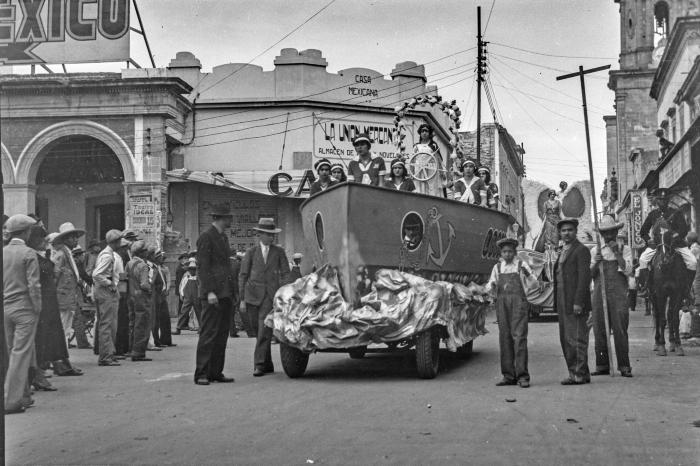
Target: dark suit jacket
x=258, y=278
x=577, y=279
x=235, y=272
x=213, y=268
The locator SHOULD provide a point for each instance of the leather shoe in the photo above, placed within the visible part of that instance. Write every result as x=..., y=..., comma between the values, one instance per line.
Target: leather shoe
x=524, y=383
x=70, y=372
x=154, y=349
x=176, y=332
x=171, y=344
x=108, y=363
x=118, y=356
x=570, y=381
x=626, y=373
x=222, y=379
x=44, y=387
x=17, y=410
x=135, y=359
x=603, y=372
x=505, y=382
x=201, y=381
x=85, y=347
x=269, y=369
x=258, y=372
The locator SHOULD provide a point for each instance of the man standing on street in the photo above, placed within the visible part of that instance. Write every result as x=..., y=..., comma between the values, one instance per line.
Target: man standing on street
x=67, y=283
x=106, y=279
x=263, y=270
x=572, y=301
x=180, y=272
x=616, y=260
x=22, y=306
x=139, y=302
x=217, y=293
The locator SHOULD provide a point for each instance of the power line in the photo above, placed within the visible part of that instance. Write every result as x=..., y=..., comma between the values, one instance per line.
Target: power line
x=540, y=83
x=559, y=70
x=488, y=19
x=551, y=54
x=270, y=47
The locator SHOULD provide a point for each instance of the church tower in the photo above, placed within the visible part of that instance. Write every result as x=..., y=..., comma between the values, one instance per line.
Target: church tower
x=644, y=26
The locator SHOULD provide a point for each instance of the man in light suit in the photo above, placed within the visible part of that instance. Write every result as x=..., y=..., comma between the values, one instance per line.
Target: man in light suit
x=263, y=270
x=67, y=283
x=217, y=292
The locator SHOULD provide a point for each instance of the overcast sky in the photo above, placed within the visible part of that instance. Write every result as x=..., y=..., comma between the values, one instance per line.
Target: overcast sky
x=537, y=110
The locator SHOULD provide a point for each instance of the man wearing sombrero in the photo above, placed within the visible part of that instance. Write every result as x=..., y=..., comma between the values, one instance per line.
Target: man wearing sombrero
x=263, y=270
x=616, y=260
x=68, y=282
x=365, y=169
x=323, y=170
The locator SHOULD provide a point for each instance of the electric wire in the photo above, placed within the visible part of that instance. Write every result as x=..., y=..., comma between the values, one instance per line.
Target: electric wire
x=551, y=54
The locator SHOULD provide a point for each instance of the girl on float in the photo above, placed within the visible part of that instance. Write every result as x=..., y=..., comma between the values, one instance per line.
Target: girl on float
x=338, y=173
x=427, y=145
x=399, y=179
x=491, y=188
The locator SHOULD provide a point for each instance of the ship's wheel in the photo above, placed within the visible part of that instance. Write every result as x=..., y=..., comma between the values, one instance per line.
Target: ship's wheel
x=423, y=166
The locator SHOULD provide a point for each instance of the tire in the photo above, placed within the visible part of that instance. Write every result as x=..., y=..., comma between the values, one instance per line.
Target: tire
x=428, y=353
x=464, y=351
x=357, y=352
x=294, y=361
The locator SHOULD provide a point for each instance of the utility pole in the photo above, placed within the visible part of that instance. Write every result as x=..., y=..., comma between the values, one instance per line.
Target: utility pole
x=580, y=73
x=479, y=68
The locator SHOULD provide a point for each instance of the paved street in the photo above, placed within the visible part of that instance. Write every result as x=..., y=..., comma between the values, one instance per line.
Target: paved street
x=371, y=411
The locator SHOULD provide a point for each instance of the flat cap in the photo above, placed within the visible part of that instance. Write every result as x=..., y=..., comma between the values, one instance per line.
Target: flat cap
x=19, y=222
x=138, y=247
x=113, y=235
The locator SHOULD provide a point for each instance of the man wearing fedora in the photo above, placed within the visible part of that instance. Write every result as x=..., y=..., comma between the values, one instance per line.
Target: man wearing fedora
x=22, y=306
x=67, y=278
x=365, y=169
x=616, y=261
x=106, y=280
x=572, y=301
x=263, y=270
x=216, y=291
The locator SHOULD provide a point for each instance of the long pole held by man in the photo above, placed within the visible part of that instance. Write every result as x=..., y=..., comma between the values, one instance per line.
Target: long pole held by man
x=581, y=73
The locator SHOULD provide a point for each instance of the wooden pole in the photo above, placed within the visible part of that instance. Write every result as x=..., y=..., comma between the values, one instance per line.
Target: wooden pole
x=479, y=67
x=608, y=340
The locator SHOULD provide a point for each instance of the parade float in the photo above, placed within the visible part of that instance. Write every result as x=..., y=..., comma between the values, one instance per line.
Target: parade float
x=402, y=269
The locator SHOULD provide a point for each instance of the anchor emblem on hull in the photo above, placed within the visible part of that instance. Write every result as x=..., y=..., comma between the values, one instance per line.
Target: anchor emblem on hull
x=438, y=257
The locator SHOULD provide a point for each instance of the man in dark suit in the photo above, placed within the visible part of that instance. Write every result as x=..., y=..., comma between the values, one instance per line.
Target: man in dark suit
x=263, y=270
x=216, y=290
x=572, y=301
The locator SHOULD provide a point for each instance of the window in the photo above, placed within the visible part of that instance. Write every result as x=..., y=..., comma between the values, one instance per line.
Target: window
x=660, y=22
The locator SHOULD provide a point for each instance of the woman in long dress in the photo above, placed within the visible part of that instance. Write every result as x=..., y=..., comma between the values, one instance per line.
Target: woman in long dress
x=427, y=145
x=552, y=210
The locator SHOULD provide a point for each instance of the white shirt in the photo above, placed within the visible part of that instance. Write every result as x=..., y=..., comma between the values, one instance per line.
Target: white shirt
x=265, y=250
x=510, y=268
x=609, y=255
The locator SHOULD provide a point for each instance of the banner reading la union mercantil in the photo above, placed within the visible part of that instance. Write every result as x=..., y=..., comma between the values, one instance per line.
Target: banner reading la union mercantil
x=63, y=31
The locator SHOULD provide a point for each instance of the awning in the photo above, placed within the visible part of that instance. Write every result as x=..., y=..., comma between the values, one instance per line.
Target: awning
x=290, y=183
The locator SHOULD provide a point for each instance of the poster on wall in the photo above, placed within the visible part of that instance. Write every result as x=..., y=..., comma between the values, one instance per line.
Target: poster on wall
x=143, y=215
x=63, y=31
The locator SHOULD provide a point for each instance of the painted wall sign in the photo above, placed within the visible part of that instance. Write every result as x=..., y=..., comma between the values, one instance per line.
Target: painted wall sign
x=63, y=31
x=637, y=218
x=283, y=184
x=333, y=138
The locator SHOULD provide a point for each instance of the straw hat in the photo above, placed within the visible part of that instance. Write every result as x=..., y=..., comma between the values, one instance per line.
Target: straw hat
x=267, y=225
x=608, y=223
x=67, y=229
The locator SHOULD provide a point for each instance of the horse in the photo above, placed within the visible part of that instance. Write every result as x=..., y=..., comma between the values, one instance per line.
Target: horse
x=666, y=284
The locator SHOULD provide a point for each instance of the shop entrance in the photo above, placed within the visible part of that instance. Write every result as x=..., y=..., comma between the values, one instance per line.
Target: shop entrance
x=80, y=180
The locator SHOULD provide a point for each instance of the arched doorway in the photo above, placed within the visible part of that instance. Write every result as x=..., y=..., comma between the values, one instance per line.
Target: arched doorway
x=80, y=179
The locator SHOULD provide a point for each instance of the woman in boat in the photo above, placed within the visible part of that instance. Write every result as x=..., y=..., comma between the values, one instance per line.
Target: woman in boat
x=399, y=179
x=491, y=188
x=470, y=188
x=366, y=170
x=338, y=173
x=552, y=209
x=323, y=169
x=427, y=145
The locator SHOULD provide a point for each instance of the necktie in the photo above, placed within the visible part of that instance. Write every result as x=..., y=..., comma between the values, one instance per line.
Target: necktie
x=265, y=250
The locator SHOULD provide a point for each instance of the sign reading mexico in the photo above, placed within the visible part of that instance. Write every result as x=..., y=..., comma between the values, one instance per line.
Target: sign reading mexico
x=63, y=31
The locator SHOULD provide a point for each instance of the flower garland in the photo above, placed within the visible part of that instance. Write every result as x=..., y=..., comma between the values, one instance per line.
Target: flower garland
x=448, y=108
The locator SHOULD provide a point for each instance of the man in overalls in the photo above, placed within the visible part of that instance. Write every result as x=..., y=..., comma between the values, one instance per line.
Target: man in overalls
x=512, y=312
x=616, y=260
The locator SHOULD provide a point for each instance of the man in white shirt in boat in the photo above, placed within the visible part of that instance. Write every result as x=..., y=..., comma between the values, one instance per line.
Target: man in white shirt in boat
x=470, y=188
x=507, y=283
x=323, y=170
x=366, y=170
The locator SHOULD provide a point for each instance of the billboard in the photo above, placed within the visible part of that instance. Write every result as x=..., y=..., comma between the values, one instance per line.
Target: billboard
x=637, y=218
x=63, y=31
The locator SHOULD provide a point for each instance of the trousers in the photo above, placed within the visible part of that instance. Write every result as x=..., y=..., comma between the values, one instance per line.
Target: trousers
x=573, y=337
x=161, y=322
x=618, y=318
x=20, y=331
x=107, y=309
x=262, y=358
x=67, y=316
x=213, y=335
x=139, y=324
x=512, y=315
